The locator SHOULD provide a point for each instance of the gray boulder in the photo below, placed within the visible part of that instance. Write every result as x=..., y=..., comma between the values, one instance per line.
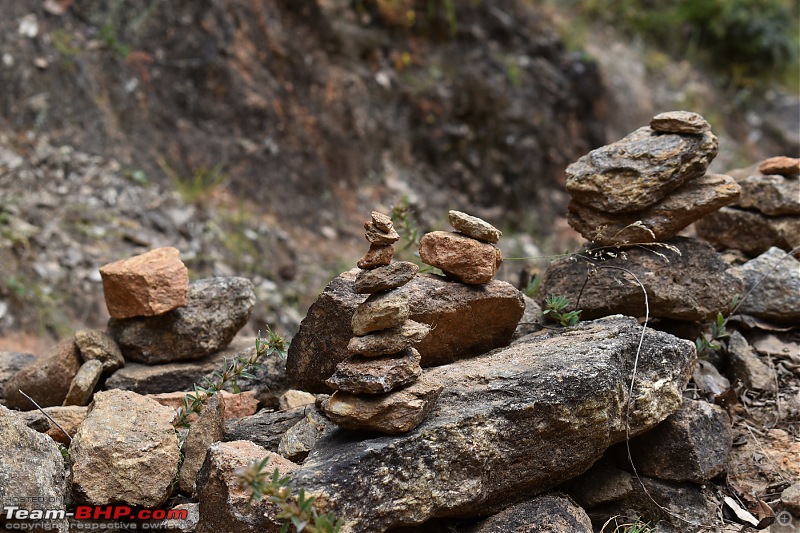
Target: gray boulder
x=774, y=279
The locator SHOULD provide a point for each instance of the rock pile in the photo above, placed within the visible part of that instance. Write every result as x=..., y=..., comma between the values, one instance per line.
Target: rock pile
x=382, y=359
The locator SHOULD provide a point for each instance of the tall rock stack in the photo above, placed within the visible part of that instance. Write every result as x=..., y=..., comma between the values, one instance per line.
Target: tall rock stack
x=378, y=387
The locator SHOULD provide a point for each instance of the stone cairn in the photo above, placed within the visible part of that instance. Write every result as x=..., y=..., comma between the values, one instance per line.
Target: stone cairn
x=378, y=387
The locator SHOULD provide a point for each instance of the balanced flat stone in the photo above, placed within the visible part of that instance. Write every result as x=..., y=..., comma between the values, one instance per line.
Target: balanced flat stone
x=785, y=166
x=376, y=375
x=466, y=259
x=474, y=227
x=384, y=278
x=680, y=122
x=382, y=222
x=389, y=341
x=378, y=255
x=381, y=311
x=376, y=236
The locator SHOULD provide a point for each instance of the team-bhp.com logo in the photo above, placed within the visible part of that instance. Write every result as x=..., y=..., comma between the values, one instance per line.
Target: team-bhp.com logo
x=112, y=517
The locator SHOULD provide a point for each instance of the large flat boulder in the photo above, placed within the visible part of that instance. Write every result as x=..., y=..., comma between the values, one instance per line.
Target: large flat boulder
x=467, y=320
x=508, y=425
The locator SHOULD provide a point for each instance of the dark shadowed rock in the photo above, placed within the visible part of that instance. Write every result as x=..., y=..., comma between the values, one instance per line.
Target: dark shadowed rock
x=457, y=312
x=47, y=380
x=601, y=484
x=205, y=431
x=543, y=514
x=216, y=309
x=302, y=437
x=693, y=285
x=639, y=170
x=776, y=297
x=264, y=428
x=690, y=445
x=31, y=466
x=509, y=424
x=748, y=231
x=771, y=195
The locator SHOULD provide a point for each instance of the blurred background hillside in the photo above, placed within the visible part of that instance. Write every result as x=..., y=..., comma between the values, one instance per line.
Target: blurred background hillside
x=257, y=135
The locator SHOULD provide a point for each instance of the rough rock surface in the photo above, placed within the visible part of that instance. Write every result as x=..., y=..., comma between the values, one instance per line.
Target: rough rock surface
x=377, y=255
x=389, y=341
x=772, y=195
x=639, y=170
x=216, y=309
x=680, y=122
x=776, y=297
x=11, y=363
x=693, y=285
x=30, y=466
x=265, y=428
x=400, y=411
x=467, y=259
x=83, y=384
x=384, y=278
x=543, y=514
x=748, y=231
x=236, y=405
x=790, y=497
x=145, y=285
x=46, y=380
x=301, y=438
x=295, y=398
x=690, y=445
x=205, y=431
x=223, y=503
x=126, y=451
x=785, y=166
x=99, y=345
x=474, y=227
x=509, y=424
x=69, y=417
x=380, y=311
x=747, y=366
x=376, y=375
x=659, y=222
x=457, y=313
x=601, y=484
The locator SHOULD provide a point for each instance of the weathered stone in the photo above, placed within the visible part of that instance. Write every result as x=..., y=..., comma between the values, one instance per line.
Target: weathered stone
x=32, y=473
x=474, y=227
x=508, y=425
x=301, y=438
x=375, y=236
x=11, y=363
x=377, y=255
x=456, y=312
x=691, y=285
x=784, y=166
x=382, y=222
x=264, y=428
x=69, y=417
x=747, y=366
x=467, y=259
x=381, y=311
x=224, y=504
x=46, y=380
x=708, y=379
x=680, y=122
x=772, y=195
x=384, y=278
x=83, y=384
x=377, y=375
x=98, y=345
x=602, y=483
x=126, y=451
x=790, y=497
x=389, y=341
x=236, y=405
x=659, y=222
x=182, y=525
x=690, y=445
x=543, y=514
x=205, y=431
x=748, y=231
x=145, y=285
x=778, y=292
x=216, y=309
x=296, y=398
x=639, y=170
x=397, y=412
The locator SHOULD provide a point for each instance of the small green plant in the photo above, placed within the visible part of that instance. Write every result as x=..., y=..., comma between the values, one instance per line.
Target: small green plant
x=296, y=510
x=554, y=309
x=112, y=42
x=533, y=285
x=707, y=342
x=199, y=185
x=403, y=223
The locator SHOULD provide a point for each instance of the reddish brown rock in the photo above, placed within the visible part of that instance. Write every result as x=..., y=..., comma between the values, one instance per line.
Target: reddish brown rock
x=389, y=341
x=205, y=431
x=382, y=222
x=69, y=417
x=47, y=380
x=785, y=166
x=375, y=236
x=145, y=285
x=680, y=122
x=236, y=405
x=467, y=259
x=376, y=375
x=378, y=255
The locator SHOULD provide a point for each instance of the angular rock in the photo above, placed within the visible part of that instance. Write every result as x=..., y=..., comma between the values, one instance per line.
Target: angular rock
x=509, y=424
x=145, y=285
x=602, y=483
x=748, y=231
x=31, y=467
x=296, y=398
x=377, y=255
x=376, y=236
x=384, y=278
x=205, y=431
x=68, y=417
x=771, y=195
x=474, y=227
x=126, y=451
x=784, y=166
x=543, y=514
x=778, y=292
x=380, y=311
x=11, y=363
x=382, y=222
x=690, y=445
x=680, y=122
x=469, y=260
x=46, y=380
x=98, y=345
x=659, y=222
x=397, y=412
x=639, y=170
x=694, y=285
x=389, y=341
x=265, y=428
x=83, y=384
x=455, y=311
x=185, y=525
x=377, y=375
x=747, y=366
x=216, y=309
x=224, y=504
x=301, y=438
